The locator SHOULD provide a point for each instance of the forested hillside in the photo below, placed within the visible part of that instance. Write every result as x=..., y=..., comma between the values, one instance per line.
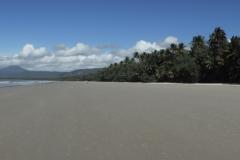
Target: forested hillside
x=208, y=60
x=17, y=72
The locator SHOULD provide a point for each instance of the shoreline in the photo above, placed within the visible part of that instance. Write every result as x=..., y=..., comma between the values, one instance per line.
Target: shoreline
x=152, y=83
x=17, y=83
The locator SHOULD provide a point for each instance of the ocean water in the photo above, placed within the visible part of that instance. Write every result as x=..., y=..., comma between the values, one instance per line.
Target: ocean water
x=14, y=83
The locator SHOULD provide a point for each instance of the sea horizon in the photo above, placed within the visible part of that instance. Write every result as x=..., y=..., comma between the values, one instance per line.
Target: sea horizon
x=17, y=82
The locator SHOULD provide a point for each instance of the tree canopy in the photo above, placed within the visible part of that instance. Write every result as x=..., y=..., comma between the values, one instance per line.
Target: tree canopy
x=207, y=61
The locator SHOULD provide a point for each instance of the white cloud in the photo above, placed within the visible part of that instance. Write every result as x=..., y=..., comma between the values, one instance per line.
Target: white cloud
x=143, y=46
x=79, y=49
x=79, y=56
x=29, y=51
x=168, y=41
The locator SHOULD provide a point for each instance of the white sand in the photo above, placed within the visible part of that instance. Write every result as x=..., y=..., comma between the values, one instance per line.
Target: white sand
x=123, y=121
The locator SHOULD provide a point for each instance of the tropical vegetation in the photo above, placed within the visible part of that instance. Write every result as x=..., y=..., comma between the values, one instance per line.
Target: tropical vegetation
x=216, y=59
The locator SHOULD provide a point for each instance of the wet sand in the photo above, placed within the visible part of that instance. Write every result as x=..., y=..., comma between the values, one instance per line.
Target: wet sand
x=119, y=121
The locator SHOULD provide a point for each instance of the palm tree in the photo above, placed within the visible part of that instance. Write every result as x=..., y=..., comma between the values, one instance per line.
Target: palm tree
x=173, y=47
x=115, y=64
x=126, y=60
x=135, y=55
x=180, y=48
x=217, y=38
x=161, y=56
x=132, y=60
x=198, y=49
x=165, y=72
x=216, y=58
x=234, y=47
x=234, y=59
x=121, y=63
x=198, y=42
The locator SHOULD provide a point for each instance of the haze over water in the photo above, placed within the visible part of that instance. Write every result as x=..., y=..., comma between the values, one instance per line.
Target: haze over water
x=14, y=83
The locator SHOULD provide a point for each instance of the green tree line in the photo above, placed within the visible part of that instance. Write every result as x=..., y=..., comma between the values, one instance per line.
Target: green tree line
x=214, y=60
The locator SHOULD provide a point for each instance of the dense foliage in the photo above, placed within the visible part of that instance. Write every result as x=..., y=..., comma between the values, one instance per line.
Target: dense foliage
x=212, y=60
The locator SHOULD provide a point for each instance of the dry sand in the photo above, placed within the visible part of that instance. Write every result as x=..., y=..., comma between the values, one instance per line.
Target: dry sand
x=119, y=121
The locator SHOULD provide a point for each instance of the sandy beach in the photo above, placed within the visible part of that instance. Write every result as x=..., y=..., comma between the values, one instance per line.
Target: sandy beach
x=120, y=121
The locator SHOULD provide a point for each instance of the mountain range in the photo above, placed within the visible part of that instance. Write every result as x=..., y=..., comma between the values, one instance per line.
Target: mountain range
x=19, y=72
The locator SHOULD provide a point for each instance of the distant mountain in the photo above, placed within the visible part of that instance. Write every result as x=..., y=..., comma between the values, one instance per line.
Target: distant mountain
x=19, y=72
x=13, y=69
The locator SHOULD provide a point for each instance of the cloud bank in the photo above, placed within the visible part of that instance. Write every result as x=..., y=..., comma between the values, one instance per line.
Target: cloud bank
x=80, y=56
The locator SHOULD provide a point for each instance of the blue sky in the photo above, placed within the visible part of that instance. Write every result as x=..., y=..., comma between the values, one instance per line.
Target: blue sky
x=119, y=26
